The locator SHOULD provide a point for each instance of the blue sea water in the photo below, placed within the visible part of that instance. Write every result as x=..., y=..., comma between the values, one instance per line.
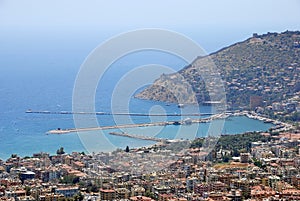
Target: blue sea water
x=43, y=79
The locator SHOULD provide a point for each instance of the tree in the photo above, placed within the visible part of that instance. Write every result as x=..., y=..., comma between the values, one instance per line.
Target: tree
x=198, y=143
x=235, y=153
x=257, y=163
x=60, y=151
x=127, y=149
x=27, y=189
x=70, y=179
x=226, y=159
x=78, y=197
x=149, y=194
x=81, y=197
x=14, y=156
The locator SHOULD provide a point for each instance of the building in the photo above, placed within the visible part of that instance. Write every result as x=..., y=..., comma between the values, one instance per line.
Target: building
x=51, y=197
x=26, y=198
x=216, y=196
x=107, y=194
x=161, y=189
x=272, y=181
x=141, y=198
x=67, y=191
x=218, y=186
x=26, y=175
x=165, y=197
x=235, y=195
x=244, y=185
x=137, y=191
x=15, y=193
x=245, y=157
x=296, y=181
x=190, y=183
x=122, y=193
x=201, y=188
x=53, y=174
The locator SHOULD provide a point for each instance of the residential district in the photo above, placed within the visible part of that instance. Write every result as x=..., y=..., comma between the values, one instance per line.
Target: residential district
x=267, y=169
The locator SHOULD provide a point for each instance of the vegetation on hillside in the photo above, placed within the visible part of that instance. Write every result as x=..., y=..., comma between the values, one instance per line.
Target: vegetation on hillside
x=266, y=66
x=235, y=143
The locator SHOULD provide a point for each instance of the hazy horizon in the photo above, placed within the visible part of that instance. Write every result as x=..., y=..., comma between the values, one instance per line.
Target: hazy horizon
x=212, y=24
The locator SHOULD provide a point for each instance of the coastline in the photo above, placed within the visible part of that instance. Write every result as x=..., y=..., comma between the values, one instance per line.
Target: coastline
x=279, y=126
x=61, y=136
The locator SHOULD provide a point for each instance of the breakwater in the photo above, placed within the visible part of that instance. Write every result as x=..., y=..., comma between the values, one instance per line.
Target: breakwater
x=118, y=114
x=165, y=123
x=141, y=137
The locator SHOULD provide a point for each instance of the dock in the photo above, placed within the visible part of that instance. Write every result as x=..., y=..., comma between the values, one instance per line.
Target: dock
x=141, y=137
x=165, y=123
x=112, y=114
x=73, y=130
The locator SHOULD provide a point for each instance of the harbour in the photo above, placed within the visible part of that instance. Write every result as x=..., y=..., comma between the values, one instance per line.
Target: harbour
x=41, y=123
x=277, y=126
x=131, y=134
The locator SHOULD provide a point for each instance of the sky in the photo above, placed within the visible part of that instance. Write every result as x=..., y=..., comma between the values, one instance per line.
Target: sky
x=213, y=23
x=137, y=14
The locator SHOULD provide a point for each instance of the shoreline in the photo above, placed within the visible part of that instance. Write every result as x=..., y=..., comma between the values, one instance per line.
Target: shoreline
x=226, y=115
x=279, y=126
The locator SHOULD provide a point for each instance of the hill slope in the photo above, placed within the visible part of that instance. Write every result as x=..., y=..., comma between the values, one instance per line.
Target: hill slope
x=263, y=67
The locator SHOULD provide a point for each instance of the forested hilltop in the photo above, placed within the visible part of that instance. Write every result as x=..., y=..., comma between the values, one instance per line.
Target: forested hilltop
x=259, y=71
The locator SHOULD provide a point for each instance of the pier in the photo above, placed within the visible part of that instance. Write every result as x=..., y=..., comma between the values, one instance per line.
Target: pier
x=141, y=137
x=109, y=113
x=165, y=123
x=73, y=130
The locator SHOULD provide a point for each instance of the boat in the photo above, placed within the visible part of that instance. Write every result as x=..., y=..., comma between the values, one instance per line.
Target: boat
x=64, y=112
x=180, y=105
x=176, y=123
x=188, y=121
x=268, y=121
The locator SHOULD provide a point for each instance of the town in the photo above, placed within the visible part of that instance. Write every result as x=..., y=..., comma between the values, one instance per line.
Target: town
x=251, y=166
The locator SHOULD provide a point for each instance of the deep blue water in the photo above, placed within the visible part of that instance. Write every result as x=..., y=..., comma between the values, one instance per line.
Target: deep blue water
x=44, y=79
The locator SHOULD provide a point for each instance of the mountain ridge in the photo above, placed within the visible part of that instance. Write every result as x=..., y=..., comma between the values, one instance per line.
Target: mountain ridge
x=264, y=67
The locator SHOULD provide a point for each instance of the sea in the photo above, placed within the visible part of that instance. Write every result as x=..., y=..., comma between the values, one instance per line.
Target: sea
x=41, y=77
